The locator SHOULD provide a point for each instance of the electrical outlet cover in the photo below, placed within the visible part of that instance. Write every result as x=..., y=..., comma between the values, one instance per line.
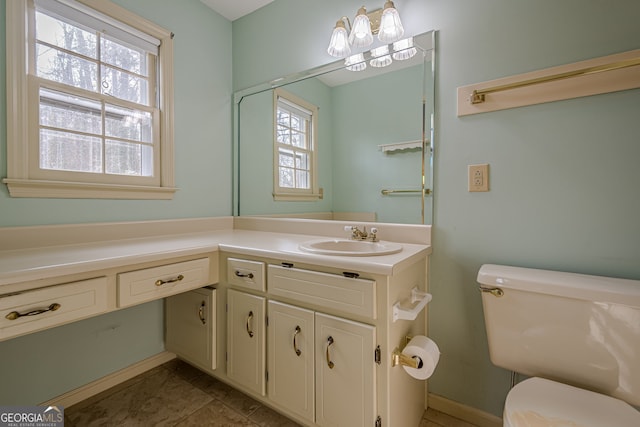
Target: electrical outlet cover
x=478, y=177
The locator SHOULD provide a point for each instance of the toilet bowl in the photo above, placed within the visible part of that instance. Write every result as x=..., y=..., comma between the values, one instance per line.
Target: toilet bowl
x=537, y=402
x=575, y=329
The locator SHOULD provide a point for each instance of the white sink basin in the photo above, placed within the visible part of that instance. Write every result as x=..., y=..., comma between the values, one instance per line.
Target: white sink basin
x=344, y=247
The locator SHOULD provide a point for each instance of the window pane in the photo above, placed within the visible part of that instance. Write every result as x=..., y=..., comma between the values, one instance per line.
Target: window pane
x=286, y=158
x=126, y=123
x=124, y=85
x=114, y=53
x=53, y=64
x=298, y=123
x=283, y=136
x=64, y=35
x=302, y=161
x=71, y=112
x=122, y=158
x=69, y=152
x=286, y=178
x=298, y=139
x=302, y=179
x=283, y=117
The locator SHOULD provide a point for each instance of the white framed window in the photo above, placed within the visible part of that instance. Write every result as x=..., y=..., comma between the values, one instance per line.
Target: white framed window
x=91, y=102
x=295, y=148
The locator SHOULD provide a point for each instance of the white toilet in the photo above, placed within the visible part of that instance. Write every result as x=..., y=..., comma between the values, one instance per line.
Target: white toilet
x=577, y=336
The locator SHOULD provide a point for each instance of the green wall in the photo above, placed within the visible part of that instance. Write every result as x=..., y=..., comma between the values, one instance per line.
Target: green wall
x=40, y=366
x=563, y=175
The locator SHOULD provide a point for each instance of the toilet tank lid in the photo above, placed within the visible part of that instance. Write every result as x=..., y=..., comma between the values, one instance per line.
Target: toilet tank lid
x=545, y=402
x=572, y=285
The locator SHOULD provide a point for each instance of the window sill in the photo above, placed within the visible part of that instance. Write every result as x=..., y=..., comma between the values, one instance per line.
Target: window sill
x=75, y=190
x=297, y=197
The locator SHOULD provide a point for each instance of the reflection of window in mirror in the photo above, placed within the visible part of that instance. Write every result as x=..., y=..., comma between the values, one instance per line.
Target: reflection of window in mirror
x=295, y=148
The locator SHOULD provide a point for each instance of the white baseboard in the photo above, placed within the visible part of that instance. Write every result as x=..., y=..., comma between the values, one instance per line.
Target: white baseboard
x=464, y=412
x=98, y=386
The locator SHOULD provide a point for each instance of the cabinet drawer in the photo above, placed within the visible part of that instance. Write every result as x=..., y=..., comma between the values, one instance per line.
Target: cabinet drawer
x=355, y=296
x=246, y=274
x=158, y=282
x=51, y=306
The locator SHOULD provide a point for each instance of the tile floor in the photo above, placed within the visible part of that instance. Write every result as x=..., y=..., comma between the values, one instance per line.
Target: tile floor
x=176, y=394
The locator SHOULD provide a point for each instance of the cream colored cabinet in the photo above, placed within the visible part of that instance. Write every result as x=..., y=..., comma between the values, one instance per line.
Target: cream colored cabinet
x=191, y=326
x=34, y=310
x=315, y=343
x=246, y=340
x=291, y=359
x=321, y=367
x=135, y=287
x=345, y=372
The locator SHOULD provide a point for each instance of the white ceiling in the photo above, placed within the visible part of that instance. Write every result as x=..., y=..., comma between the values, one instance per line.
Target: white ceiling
x=234, y=9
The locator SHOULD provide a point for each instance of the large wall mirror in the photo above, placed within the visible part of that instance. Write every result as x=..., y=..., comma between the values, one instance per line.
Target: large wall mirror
x=374, y=136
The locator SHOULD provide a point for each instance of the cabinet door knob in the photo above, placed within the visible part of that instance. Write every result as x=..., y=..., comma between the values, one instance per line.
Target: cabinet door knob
x=295, y=345
x=201, y=313
x=329, y=344
x=249, y=328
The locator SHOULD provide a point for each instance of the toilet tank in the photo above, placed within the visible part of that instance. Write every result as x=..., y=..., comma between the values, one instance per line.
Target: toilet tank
x=572, y=328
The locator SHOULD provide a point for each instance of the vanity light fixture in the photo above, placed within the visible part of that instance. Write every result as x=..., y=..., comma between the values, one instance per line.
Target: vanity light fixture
x=356, y=62
x=361, y=34
x=404, y=49
x=384, y=22
x=391, y=28
x=380, y=57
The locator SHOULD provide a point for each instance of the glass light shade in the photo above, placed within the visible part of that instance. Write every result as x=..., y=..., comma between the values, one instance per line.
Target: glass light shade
x=391, y=28
x=339, y=45
x=361, y=32
x=356, y=62
x=404, y=49
x=381, y=57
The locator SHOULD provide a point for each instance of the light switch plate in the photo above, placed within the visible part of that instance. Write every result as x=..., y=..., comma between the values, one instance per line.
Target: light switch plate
x=478, y=177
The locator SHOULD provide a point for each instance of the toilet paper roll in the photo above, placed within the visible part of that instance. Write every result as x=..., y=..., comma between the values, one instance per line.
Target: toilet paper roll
x=427, y=350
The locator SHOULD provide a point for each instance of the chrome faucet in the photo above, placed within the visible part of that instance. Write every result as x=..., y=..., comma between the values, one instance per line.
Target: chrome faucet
x=357, y=234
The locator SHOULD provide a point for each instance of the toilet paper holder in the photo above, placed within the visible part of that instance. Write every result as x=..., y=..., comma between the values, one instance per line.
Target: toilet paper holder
x=398, y=358
x=417, y=296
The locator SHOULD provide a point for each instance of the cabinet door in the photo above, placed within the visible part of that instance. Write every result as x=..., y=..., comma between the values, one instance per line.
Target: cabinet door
x=345, y=372
x=246, y=340
x=291, y=358
x=191, y=327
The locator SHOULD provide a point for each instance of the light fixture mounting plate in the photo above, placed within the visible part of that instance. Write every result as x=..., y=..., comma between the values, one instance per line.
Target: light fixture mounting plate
x=375, y=16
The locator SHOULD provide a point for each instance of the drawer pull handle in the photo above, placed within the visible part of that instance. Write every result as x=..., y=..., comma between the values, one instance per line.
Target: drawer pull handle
x=161, y=282
x=15, y=315
x=249, y=319
x=330, y=364
x=247, y=275
x=295, y=344
x=201, y=313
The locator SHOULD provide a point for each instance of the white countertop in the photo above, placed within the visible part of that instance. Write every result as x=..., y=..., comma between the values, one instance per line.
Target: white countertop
x=29, y=264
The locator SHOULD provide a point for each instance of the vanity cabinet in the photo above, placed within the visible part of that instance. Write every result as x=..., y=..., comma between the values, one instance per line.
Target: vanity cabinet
x=315, y=342
x=246, y=340
x=321, y=367
x=291, y=358
x=37, y=309
x=191, y=326
x=135, y=287
x=345, y=372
